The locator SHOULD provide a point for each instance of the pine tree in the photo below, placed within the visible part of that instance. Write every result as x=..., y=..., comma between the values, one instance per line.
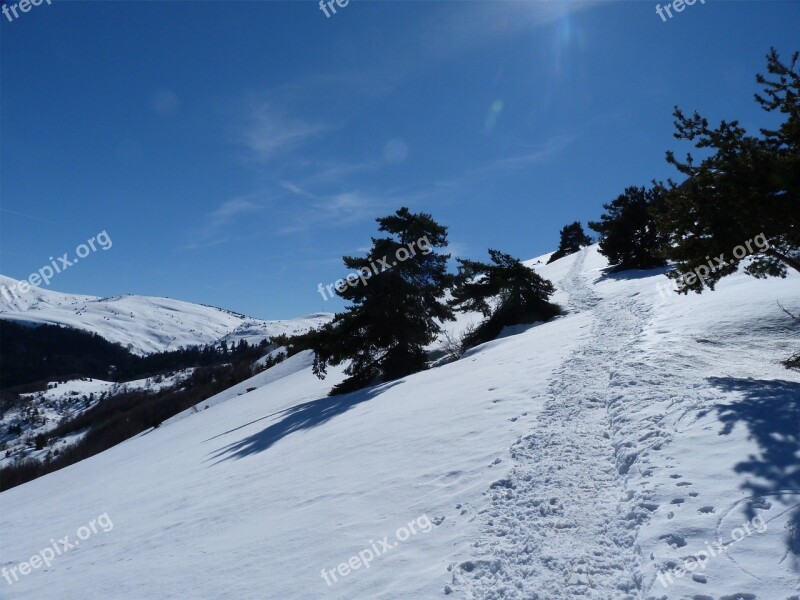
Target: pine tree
x=573, y=238
x=629, y=237
x=748, y=188
x=505, y=291
x=393, y=314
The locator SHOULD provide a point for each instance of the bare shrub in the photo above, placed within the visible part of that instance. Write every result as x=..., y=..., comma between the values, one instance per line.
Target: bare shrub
x=455, y=346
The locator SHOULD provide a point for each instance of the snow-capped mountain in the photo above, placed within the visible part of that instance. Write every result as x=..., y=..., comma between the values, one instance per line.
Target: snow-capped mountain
x=143, y=324
x=642, y=446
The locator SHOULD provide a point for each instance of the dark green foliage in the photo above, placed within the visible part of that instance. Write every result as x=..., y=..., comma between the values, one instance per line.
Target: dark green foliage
x=48, y=352
x=294, y=343
x=629, y=237
x=33, y=353
x=573, y=238
x=120, y=417
x=505, y=291
x=394, y=315
x=747, y=186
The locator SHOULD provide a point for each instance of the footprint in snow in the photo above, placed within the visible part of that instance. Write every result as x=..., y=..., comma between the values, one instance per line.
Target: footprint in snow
x=506, y=483
x=674, y=540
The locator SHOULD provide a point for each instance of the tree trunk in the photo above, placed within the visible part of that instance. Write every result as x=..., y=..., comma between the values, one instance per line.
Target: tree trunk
x=786, y=259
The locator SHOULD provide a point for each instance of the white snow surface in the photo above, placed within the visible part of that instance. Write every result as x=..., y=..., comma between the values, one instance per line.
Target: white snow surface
x=64, y=400
x=143, y=324
x=578, y=458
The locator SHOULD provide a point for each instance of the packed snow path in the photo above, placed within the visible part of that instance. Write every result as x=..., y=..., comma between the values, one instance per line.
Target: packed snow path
x=657, y=424
x=559, y=527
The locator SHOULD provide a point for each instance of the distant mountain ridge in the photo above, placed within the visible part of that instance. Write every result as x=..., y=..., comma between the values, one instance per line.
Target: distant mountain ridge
x=143, y=324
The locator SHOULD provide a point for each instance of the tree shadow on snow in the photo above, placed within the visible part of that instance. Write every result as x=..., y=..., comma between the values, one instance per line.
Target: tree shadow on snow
x=296, y=418
x=770, y=409
x=629, y=274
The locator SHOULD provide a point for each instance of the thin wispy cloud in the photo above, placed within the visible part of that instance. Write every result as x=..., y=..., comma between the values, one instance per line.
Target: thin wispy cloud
x=450, y=33
x=457, y=249
x=296, y=189
x=532, y=156
x=327, y=172
x=347, y=206
x=337, y=209
x=270, y=133
x=212, y=232
x=230, y=209
x=281, y=137
x=526, y=159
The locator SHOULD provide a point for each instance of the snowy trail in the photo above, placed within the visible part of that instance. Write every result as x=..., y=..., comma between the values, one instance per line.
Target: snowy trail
x=560, y=526
x=589, y=458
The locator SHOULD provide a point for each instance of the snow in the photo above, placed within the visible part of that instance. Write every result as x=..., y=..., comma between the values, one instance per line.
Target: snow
x=143, y=324
x=577, y=458
x=63, y=399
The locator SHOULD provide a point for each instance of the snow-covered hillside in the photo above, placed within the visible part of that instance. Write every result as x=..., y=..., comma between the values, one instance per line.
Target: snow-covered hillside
x=144, y=324
x=38, y=413
x=588, y=457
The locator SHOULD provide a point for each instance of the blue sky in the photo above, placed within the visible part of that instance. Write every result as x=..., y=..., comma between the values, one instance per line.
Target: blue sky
x=234, y=151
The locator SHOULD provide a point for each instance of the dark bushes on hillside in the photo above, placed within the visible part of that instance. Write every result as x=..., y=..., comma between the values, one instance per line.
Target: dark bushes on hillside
x=50, y=352
x=123, y=416
x=518, y=293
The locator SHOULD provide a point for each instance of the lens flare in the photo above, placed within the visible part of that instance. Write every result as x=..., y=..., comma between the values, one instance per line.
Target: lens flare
x=495, y=110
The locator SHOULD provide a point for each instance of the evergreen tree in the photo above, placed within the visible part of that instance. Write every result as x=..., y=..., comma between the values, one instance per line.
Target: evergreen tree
x=629, y=237
x=573, y=238
x=505, y=291
x=749, y=186
x=394, y=314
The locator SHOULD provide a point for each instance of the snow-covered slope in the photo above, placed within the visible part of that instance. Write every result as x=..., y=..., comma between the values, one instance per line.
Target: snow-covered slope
x=580, y=458
x=40, y=412
x=144, y=324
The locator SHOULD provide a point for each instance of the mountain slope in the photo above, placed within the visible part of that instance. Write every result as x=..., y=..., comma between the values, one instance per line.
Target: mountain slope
x=578, y=458
x=143, y=324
